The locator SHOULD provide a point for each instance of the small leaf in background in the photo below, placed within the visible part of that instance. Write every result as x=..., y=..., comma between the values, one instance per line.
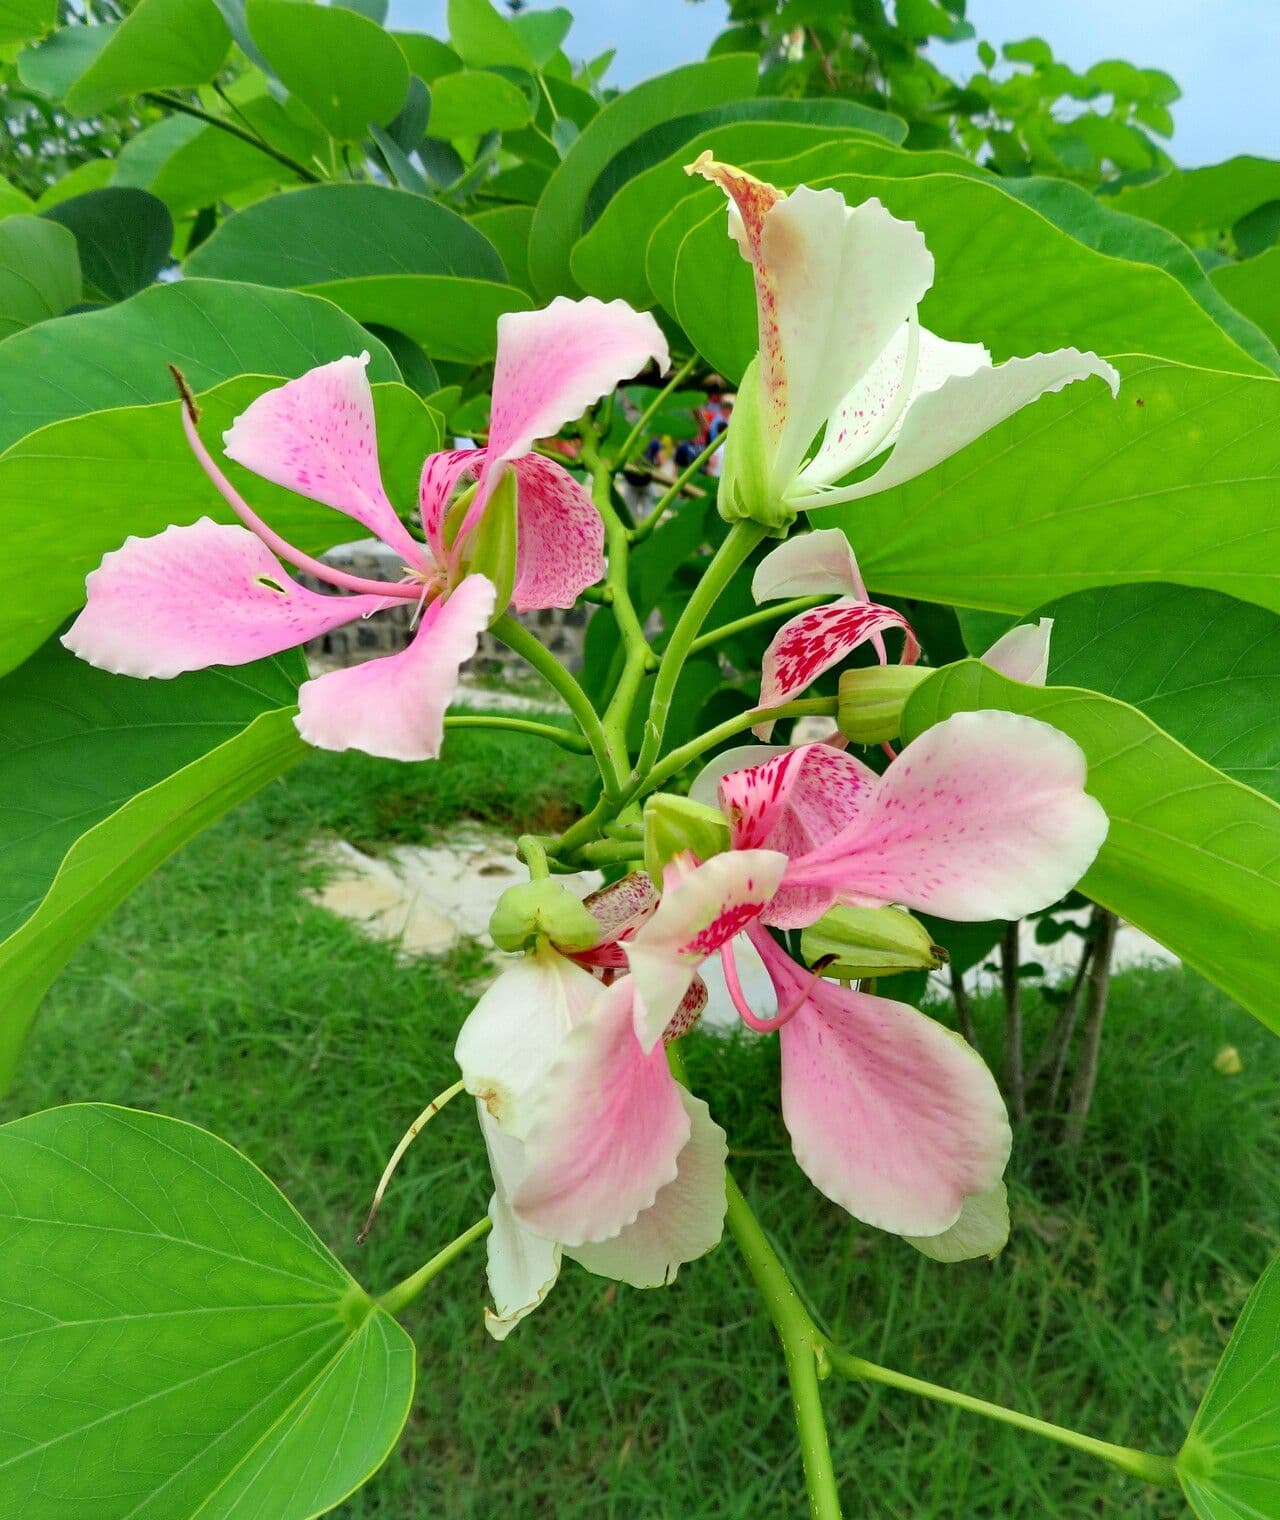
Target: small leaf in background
x=1228, y=1465
x=1256, y=231
x=39, y=272
x=123, y=235
x=1212, y=199
x=162, y=44
x=409, y=128
x=1253, y=287
x=52, y=66
x=345, y=69
x=178, y=1340
x=543, y=32
x=564, y=133
x=483, y=38
x=474, y=101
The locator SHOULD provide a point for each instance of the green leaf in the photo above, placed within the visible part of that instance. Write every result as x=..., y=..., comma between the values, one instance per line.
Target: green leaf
x=482, y=38
x=214, y=328
x=52, y=66
x=92, y=175
x=112, y=473
x=123, y=236
x=343, y=67
x=558, y=221
x=1191, y=201
x=20, y=20
x=507, y=228
x=474, y=101
x=178, y=1340
x=1190, y=856
x=1228, y=1465
x=427, y=57
x=13, y=202
x=1203, y=666
x=39, y=272
x=102, y=779
x=983, y=242
x=1174, y=481
x=543, y=32
x=1253, y=287
x=454, y=320
x=162, y=44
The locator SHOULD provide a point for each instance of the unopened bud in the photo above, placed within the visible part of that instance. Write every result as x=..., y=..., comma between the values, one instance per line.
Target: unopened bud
x=870, y=942
x=537, y=909
x=673, y=825
x=872, y=698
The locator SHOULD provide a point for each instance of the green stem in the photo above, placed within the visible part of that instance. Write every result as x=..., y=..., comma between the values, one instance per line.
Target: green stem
x=753, y=619
x=1150, y=1466
x=740, y=540
x=577, y=743
x=802, y=1347
x=608, y=852
x=646, y=416
x=185, y=108
x=404, y=1293
x=533, y=852
x=643, y=530
x=532, y=650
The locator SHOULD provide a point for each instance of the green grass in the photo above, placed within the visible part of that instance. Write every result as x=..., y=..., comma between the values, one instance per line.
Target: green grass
x=218, y=994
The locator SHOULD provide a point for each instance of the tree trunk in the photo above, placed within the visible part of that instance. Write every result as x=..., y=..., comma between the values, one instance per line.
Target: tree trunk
x=1014, y=1087
x=1086, y=1076
x=964, y=1008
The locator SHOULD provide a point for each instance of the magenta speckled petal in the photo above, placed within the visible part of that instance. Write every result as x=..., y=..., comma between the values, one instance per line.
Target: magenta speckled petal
x=561, y=545
x=190, y=597
x=814, y=641
x=440, y=477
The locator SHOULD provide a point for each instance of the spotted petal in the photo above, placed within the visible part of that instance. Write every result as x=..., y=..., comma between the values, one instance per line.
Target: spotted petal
x=984, y=816
x=395, y=706
x=698, y=913
x=812, y=642
x=560, y=548
x=608, y=1131
x=441, y=474
x=316, y=436
x=191, y=597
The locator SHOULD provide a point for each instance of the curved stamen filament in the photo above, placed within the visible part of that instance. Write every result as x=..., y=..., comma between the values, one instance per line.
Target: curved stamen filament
x=273, y=541
x=784, y=1015
x=410, y=1135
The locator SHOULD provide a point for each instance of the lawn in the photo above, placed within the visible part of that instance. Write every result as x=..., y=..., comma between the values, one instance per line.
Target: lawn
x=220, y=995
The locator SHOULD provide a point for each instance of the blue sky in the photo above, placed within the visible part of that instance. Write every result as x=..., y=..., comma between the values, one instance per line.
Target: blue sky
x=1225, y=55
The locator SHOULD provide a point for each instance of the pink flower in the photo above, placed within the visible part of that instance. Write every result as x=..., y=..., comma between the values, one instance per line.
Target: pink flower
x=211, y=593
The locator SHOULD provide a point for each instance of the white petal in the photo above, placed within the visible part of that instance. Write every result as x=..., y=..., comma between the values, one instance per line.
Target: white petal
x=981, y=1230
x=706, y=787
x=820, y=563
x=1022, y=654
x=522, y=1266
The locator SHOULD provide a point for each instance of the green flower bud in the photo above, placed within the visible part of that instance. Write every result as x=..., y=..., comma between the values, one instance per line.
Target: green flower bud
x=673, y=824
x=870, y=942
x=538, y=909
x=872, y=698
x=492, y=543
x=745, y=493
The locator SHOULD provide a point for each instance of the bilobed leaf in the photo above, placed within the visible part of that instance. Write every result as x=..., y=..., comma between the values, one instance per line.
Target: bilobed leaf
x=20, y=20
x=178, y=1341
x=343, y=67
x=123, y=235
x=39, y=272
x=54, y=64
x=558, y=222
x=507, y=228
x=1253, y=287
x=162, y=44
x=1191, y=856
x=475, y=101
x=102, y=778
x=482, y=38
x=453, y=319
x=1176, y=480
x=1227, y=1466
x=112, y=473
x=1212, y=199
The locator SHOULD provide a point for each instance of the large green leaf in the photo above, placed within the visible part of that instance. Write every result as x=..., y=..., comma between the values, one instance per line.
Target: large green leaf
x=1174, y=481
x=507, y=228
x=103, y=778
x=162, y=44
x=21, y=20
x=178, y=1341
x=39, y=272
x=13, y=202
x=77, y=488
x=483, y=38
x=53, y=65
x=984, y=242
x=1198, y=201
x=1253, y=287
x=452, y=319
x=343, y=67
x=1191, y=856
x=558, y=221
x=475, y=101
x=1227, y=1466
x=213, y=329
x=123, y=235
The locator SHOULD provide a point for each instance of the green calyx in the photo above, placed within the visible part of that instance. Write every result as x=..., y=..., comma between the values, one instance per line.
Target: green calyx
x=872, y=699
x=491, y=550
x=542, y=909
x=746, y=493
x=863, y=943
x=674, y=825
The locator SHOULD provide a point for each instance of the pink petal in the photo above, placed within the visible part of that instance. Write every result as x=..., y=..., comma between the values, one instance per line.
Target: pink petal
x=395, y=706
x=892, y=1116
x=208, y=594
x=814, y=641
x=820, y=563
x=984, y=816
x=684, y=1221
x=555, y=363
x=440, y=476
x=619, y=909
x=697, y=915
x=1022, y=654
x=794, y=803
x=316, y=436
x=522, y=1267
x=561, y=542
x=608, y=1132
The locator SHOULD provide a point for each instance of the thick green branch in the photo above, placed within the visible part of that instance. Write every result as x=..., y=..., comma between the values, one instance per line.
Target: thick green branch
x=404, y=1293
